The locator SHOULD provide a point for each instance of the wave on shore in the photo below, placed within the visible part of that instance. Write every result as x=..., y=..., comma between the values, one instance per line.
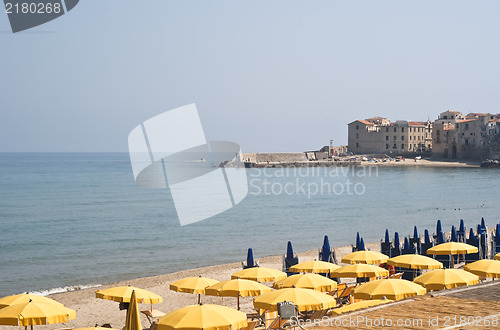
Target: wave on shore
x=64, y=289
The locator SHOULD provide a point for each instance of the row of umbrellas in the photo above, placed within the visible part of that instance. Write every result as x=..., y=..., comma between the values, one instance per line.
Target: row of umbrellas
x=26, y=310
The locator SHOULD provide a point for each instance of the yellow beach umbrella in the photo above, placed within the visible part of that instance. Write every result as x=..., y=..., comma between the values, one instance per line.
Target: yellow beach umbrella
x=195, y=285
x=124, y=293
x=497, y=256
x=259, y=274
x=452, y=248
x=359, y=305
x=365, y=257
x=35, y=313
x=414, y=261
x=446, y=279
x=304, y=299
x=359, y=270
x=314, y=267
x=484, y=268
x=237, y=288
x=25, y=298
x=307, y=281
x=133, y=321
x=393, y=289
x=203, y=317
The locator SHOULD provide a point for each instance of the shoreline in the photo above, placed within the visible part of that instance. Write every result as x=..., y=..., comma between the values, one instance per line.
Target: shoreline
x=342, y=163
x=91, y=311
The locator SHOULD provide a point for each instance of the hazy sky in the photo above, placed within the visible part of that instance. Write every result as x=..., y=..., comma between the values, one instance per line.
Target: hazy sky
x=270, y=75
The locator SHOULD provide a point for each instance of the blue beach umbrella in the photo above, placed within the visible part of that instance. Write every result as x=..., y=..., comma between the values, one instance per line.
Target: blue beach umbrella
x=471, y=234
x=439, y=229
x=396, y=240
x=462, y=226
x=497, y=235
x=289, y=250
x=415, y=232
x=325, y=253
x=427, y=239
x=406, y=244
x=387, y=239
x=358, y=243
x=483, y=225
x=250, y=262
x=361, y=245
x=453, y=234
x=440, y=238
x=479, y=230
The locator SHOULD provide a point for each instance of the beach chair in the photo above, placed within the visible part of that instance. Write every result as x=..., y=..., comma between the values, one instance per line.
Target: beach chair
x=277, y=323
x=269, y=317
x=318, y=315
x=258, y=315
x=153, y=315
x=251, y=325
x=340, y=287
x=154, y=326
x=345, y=297
x=396, y=276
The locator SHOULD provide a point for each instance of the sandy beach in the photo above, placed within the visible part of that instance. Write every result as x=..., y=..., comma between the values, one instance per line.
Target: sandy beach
x=439, y=309
x=91, y=311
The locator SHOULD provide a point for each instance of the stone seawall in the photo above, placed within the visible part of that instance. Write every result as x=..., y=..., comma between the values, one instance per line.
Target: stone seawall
x=274, y=157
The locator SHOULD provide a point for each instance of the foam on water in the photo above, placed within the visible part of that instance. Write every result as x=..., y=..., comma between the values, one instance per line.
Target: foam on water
x=64, y=289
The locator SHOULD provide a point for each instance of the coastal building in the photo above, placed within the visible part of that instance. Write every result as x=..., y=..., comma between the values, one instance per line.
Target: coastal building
x=464, y=137
x=379, y=135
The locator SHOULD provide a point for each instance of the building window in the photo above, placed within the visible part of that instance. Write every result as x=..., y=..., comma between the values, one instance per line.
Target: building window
x=410, y=137
x=437, y=132
x=395, y=129
x=403, y=147
x=402, y=137
x=357, y=126
x=357, y=136
x=387, y=129
x=410, y=146
x=357, y=145
x=402, y=129
x=387, y=137
x=394, y=146
x=394, y=137
x=458, y=125
x=466, y=126
x=387, y=145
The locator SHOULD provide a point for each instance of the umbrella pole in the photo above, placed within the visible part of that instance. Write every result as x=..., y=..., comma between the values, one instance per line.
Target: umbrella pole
x=199, y=298
x=238, y=301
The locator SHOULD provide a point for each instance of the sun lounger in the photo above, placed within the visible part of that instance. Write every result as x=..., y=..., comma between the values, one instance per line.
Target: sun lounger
x=318, y=315
x=251, y=325
x=277, y=323
x=340, y=287
x=153, y=315
x=396, y=276
x=345, y=296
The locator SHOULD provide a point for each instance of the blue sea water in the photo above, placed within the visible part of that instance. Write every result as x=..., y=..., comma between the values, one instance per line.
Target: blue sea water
x=73, y=219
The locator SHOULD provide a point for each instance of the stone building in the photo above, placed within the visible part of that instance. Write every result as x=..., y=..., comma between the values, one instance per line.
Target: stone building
x=463, y=137
x=379, y=135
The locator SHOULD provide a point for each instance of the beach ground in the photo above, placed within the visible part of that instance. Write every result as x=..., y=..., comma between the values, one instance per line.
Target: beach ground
x=478, y=302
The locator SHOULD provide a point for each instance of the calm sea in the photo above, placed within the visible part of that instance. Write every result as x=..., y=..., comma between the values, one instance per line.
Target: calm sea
x=77, y=219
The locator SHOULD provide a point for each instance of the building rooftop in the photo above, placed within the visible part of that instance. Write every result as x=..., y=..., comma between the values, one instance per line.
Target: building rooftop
x=466, y=120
